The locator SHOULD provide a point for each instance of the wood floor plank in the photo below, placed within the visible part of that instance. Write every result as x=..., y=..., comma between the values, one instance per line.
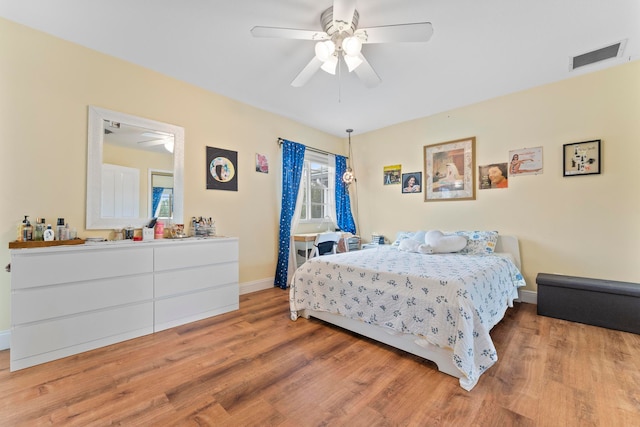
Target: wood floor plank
x=255, y=367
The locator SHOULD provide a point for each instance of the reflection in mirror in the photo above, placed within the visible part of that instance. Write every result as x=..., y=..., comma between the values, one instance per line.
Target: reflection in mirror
x=161, y=193
x=134, y=170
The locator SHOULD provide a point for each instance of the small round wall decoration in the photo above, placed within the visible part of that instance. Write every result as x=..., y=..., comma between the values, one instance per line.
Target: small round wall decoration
x=222, y=169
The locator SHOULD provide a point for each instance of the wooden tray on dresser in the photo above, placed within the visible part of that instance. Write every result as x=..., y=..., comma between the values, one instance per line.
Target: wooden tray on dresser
x=43, y=244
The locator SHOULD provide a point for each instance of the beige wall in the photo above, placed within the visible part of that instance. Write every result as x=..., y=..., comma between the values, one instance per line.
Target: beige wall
x=46, y=85
x=585, y=226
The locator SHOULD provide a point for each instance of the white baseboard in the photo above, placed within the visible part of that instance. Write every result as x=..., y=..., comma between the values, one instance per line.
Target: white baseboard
x=5, y=339
x=256, y=285
x=529, y=297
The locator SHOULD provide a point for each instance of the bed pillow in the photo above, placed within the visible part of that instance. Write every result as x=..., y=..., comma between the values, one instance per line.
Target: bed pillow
x=439, y=243
x=479, y=242
x=402, y=235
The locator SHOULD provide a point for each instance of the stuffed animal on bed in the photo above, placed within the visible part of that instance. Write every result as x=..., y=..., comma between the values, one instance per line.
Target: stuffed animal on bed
x=435, y=242
x=439, y=243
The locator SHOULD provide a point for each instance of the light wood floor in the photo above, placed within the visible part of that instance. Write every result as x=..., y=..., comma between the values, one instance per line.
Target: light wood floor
x=257, y=367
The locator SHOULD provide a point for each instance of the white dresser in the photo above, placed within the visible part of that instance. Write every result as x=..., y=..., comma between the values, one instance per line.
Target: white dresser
x=70, y=299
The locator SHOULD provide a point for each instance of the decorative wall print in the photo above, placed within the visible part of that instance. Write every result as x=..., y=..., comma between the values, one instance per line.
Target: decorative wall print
x=581, y=158
x=412, y=182
x=262, y=163
x=392, y=174
x=222, y=169
x=449, y=170
x=525, y=161
x=494, y=175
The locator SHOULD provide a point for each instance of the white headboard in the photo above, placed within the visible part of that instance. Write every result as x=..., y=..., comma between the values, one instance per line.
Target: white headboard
x=510, y=245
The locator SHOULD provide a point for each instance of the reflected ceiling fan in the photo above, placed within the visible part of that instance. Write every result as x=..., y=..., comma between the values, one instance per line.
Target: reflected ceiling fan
x=342, y=39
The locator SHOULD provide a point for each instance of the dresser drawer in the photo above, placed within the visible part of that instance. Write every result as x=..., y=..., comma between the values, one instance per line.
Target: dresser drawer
x=38, y=269
x=186, y=308
x=89, y=330
x=37, y=304
x=195, y=254
x=182, y=281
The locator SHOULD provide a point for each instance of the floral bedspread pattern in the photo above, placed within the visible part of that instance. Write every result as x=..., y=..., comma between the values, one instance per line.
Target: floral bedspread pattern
x=451, y=300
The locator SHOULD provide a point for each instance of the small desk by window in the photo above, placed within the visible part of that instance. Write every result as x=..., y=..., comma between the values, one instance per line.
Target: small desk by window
x=303, y=243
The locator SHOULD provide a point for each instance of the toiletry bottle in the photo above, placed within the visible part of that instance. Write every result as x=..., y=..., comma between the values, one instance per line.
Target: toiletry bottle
x=159, y=230
x=48, y=234
x=66, y=231
x=26, y=229
x=59, y=229
x=20, y=233
x=38, y=230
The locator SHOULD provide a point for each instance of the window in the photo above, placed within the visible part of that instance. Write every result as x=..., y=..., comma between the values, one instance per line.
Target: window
x=318, y=183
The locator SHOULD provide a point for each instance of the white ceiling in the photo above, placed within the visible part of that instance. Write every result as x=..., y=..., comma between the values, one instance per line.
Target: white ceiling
x=480, y=49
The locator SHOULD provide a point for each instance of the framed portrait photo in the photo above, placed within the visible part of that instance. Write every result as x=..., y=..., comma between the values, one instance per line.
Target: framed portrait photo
x=450, y=170
x=412, y=182
x=581, y=158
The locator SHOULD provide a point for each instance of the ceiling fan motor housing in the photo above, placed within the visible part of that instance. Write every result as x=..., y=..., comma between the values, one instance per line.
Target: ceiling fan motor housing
x=338, y=32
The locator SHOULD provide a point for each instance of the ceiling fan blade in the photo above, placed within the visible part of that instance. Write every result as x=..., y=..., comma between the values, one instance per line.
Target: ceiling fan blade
x=307, y=72
x=418, y=32
x=288, y=33
x=367, y=74
x=343, y=11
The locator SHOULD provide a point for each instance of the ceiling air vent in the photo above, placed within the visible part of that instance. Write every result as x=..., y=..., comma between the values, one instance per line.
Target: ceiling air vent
x=598, y=55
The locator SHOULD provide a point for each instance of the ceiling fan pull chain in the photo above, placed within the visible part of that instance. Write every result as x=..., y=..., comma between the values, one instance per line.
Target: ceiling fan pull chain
x=339, y=82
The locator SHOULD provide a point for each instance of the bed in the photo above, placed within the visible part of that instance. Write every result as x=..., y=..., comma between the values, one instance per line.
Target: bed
x=440, y=307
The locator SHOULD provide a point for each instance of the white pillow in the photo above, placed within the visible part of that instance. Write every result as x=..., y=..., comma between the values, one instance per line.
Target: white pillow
x=441, y=243
x=409, y=245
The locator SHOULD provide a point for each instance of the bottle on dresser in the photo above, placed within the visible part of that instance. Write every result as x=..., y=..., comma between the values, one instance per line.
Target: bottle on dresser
x=26, y=230
x=60, y=229
x=38, y=230
x=48, y=234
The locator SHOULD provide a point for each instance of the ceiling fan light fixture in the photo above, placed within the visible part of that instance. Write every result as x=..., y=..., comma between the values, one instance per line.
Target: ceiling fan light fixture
x=352, y=62
x=352, y=46
x=324, y=50
x=330, y=64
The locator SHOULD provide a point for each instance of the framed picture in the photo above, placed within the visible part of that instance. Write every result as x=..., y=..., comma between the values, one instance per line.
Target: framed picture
x=450, y=170
x=525, y=161
x=262, y=163
x=412, y=182
x=222, y=169
x=494, y=175
x=581, y=158
x=391, y=174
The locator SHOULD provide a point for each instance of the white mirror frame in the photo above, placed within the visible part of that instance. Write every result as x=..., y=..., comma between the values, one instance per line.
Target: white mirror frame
x=95, y=141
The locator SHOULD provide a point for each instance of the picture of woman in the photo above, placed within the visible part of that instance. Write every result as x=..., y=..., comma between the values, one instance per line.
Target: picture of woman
x=525, y=161
x=411, y=182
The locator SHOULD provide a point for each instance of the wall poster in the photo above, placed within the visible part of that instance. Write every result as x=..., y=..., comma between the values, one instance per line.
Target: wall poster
x=222, y=169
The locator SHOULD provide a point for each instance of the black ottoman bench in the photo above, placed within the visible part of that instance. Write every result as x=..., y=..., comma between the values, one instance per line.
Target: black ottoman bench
x=605, y=303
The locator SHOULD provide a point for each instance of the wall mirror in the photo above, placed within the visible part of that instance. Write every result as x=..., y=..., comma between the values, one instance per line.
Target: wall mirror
x=134, y=170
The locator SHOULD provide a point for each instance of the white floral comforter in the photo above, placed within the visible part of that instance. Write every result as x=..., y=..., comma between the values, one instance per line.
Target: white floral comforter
x=451, y=300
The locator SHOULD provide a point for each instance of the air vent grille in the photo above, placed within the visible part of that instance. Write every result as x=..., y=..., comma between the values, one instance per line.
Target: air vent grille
x=597, y=55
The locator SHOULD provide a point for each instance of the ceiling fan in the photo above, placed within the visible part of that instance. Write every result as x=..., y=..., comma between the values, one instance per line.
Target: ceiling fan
x=341, y=39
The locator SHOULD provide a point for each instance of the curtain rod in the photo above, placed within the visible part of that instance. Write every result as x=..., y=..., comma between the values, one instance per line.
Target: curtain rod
x=317, y=150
